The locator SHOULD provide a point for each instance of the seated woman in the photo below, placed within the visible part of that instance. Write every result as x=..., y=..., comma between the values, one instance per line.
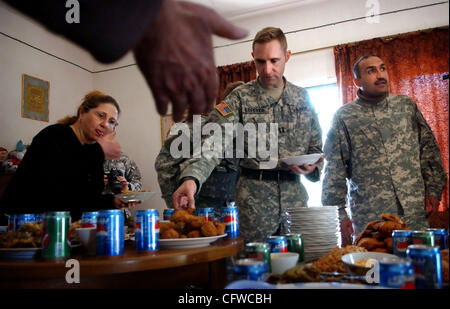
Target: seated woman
x=62, y=169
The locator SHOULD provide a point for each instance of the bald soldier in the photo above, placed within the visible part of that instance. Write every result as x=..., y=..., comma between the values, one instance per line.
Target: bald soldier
x=384, y=147
x=265, y=188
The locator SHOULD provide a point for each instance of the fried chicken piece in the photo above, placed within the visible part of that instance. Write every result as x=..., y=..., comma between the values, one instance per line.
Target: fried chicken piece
x=194, y=234
x=165, y=226
x=387, y=227
x=220, y=227
x=196, y=222
x=180, y=227
x=381, y=250
x=392, y=217
x=388, y=243
x=208, y=229
x=170, y=233
x=370, y=228
x=183, y=236
x=370, y=243
x=181, y=216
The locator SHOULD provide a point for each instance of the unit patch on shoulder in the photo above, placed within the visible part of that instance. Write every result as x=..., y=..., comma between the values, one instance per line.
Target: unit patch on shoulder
x=224, y=109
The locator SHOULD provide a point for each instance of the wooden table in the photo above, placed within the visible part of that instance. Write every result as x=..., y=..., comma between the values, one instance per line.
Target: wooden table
x=163, y=269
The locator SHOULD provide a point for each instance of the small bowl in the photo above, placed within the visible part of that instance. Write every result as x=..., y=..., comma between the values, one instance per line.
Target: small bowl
x=282, y=261
x=350, y=260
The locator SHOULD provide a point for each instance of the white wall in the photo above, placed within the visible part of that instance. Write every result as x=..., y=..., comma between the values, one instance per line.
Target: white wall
x=139, y=130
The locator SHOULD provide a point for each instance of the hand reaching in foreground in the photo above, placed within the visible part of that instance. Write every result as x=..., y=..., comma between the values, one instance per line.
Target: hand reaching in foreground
x=176, y=56
x=111, y=148
x=183, y=197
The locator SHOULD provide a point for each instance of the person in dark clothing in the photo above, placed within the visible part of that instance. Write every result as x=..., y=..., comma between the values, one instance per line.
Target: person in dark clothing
x=62, y=169
x=171, y=41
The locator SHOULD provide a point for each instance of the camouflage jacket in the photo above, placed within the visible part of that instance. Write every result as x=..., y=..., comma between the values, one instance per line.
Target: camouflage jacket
x=129, y=170
x=299, y=131
x=389, y=156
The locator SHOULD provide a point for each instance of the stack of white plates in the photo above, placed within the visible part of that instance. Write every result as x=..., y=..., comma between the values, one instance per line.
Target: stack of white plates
x=319, y=227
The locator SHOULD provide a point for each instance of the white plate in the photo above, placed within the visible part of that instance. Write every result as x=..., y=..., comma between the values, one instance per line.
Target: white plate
x=134, y=197
x=188, y=243
x=303, y=159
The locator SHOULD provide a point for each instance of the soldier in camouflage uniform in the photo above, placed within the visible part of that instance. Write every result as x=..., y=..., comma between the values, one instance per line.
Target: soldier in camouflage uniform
x=217, y=190
x=263, y=195
x=381, y=145
x=131, y=179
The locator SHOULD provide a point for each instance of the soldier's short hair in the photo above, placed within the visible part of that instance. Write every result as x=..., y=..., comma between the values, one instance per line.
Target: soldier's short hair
x=268, y=34
x=356, y=71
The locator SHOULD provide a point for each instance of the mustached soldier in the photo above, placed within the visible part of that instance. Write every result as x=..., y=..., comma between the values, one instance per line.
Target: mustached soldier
x=384, y=147
x=263, y=195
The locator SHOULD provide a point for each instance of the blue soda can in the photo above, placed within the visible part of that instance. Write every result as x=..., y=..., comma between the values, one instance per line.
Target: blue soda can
x=440, y=238
x=401, y=239
x=207, y=213
x=39, y=218
x=397, y=273
x=167, y=213
x=250, y=269
x=277, y=243
x=89, y=219
x=22, y=219
x=110, y=239
x=230, y=217
x=146, y=230
x=426, y=261
x=11, y=222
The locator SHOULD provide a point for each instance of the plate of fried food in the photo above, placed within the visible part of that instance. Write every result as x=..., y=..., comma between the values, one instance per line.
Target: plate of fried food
x=22, y=244
x=134, y=196
x=186, y=231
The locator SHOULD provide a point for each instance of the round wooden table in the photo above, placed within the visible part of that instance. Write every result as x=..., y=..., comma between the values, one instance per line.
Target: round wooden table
x=163, y=269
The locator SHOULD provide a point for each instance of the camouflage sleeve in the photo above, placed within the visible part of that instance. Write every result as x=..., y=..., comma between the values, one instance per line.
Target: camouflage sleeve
x=433, y=173
x=315, y=145
x=201, y=167
x=132, y=175
x=334, y=187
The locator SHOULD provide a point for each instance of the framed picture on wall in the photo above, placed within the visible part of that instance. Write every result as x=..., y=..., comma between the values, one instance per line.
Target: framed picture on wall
x=166, y=123
x=35, y=98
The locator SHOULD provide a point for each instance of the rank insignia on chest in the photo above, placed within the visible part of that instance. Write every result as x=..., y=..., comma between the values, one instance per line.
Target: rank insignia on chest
x=224, y=109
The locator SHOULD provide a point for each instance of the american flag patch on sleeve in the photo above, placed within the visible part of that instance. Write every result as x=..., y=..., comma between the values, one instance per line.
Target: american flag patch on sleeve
x=223, y=109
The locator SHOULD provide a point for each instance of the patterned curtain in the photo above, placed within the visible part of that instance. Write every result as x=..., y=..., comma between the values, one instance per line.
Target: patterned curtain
x=245, y=72
x=417, y=63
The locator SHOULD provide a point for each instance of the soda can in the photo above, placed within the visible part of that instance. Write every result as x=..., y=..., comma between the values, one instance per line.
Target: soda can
x=22, y=219
x=422, y=238
x=440, y=238
x=259, y=251
x=11, y=222
x=250, y=269
x=110, y=239
x=295, y=244
x=207, y=213
x=146, y=230
x=167, y=213
x=426, y=261
x=230, y=217
x=401, y=239
x=39, y=218
x=277, y=243
x=89, y=219
x=397, y=273
x=56, y=234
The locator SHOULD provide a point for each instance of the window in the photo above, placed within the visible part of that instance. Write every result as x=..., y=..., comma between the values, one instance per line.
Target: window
x=325, y=99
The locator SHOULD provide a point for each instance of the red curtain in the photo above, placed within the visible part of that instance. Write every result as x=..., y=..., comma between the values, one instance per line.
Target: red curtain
x=416, y=65
x=245, y=72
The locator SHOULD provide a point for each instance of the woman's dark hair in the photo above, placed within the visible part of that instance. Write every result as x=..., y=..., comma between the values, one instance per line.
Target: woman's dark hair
x=91, y=100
